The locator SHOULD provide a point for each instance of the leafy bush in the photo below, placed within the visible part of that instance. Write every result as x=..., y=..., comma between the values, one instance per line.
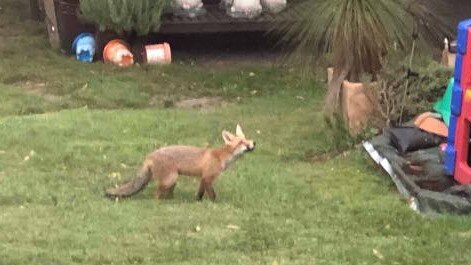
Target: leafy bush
x=137, y=16
x=402, y=94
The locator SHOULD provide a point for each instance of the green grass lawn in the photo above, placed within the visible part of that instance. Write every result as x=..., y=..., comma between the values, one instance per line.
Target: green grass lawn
x=70, y=130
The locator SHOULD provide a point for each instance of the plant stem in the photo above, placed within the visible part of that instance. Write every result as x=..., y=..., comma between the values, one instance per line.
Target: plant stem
x=407, y=82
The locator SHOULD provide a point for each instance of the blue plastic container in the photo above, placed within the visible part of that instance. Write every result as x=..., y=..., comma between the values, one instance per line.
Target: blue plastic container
x=84, y=47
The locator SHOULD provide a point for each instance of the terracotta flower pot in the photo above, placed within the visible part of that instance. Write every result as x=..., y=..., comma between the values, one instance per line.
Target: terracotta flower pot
x=357, y=107
x=118, y=52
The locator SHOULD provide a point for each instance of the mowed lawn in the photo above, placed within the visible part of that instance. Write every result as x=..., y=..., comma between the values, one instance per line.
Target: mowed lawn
x=69, y=130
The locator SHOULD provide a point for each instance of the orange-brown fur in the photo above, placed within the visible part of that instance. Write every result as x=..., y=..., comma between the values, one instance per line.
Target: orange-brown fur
x=165, y=164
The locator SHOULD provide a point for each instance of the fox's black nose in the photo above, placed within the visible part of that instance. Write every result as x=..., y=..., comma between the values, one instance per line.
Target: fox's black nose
x=253, y=147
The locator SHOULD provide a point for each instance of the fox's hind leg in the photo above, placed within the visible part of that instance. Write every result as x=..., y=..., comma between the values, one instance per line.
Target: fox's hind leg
x=166, y=186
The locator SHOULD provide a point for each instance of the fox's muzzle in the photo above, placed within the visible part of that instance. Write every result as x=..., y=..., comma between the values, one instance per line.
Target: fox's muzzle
x=251, y=148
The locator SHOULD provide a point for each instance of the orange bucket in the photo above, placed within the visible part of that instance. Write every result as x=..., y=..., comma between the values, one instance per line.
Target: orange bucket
x=117, y=52
x=158, y=54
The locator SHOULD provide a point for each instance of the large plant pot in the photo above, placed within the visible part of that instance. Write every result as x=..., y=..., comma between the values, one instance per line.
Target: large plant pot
x=357, y=106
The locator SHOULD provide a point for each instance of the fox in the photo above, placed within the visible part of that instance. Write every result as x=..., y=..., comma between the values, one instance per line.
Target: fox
x=165, y=164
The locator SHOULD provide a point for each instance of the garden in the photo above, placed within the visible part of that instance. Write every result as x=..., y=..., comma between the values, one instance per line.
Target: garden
x=308, y=193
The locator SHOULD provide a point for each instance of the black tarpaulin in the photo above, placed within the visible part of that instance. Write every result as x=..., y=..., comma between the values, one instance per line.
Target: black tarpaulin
x=420, y=178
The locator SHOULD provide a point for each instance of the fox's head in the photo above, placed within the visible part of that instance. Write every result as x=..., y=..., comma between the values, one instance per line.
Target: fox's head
x=238, y=142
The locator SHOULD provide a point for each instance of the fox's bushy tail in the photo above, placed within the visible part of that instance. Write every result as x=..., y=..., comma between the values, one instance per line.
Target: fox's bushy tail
x=133, y=186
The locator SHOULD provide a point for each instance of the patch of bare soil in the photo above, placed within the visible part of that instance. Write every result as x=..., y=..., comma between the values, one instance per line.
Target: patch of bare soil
x=37, y=89
x=199, y=103
x=203, y=103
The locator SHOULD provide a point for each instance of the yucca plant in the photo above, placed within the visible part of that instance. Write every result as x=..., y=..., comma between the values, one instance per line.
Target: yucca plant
x=357, y=34
x=125, y=16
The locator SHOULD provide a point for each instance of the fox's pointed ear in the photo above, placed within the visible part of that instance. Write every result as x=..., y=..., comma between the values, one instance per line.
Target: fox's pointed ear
x=239, y=131
x=227, y=136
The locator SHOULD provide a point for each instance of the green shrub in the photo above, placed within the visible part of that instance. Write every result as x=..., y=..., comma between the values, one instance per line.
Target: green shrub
x=403, y=94
x=137, y=16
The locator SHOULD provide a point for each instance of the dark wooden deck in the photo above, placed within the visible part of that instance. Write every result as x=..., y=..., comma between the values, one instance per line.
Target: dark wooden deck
x=216, y=20
x=63, y=15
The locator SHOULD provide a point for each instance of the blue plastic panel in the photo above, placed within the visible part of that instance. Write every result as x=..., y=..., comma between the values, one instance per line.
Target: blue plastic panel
x=452, y=130
x=456, y=99
x=458, y=68
x=450, y=158
x=462, y=40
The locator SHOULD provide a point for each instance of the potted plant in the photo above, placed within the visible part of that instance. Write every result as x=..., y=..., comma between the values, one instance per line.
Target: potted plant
x=357, y=34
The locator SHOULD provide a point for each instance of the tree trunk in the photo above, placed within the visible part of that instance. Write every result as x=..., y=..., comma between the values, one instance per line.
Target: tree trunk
x=332, y=100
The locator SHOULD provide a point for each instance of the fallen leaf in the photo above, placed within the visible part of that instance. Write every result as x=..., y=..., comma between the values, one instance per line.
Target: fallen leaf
x=253, y=92
x=378, y=254
x=466, y=234
x=115, y=175
x=27, y=158
x=233, y=227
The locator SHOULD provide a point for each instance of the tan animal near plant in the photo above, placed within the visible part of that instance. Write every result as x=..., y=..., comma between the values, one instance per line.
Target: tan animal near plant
x=165, y=164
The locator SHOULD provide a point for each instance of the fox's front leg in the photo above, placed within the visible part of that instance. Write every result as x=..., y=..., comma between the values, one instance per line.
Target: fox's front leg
x=210, y=191
x=200, y=193
x=206, y=185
